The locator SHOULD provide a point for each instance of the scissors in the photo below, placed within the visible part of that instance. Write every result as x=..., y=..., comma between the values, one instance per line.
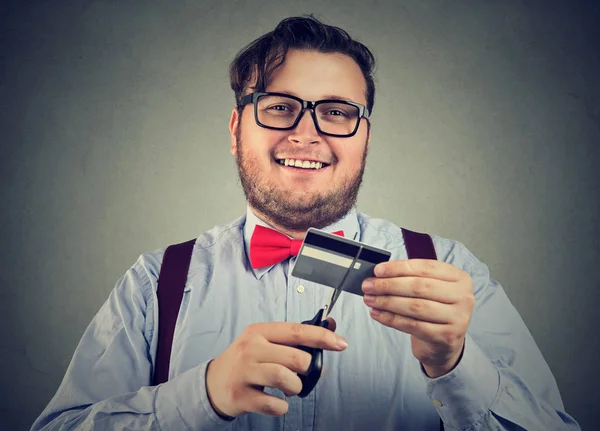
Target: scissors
x=310, y=379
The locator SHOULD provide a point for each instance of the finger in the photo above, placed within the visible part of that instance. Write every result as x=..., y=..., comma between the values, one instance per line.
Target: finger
x=257, y=401
x=430, y=332
x=419, y=268
x=416, y=287
x=295, y=334
x=274, y=376
x=290, y=357
x=415, y=308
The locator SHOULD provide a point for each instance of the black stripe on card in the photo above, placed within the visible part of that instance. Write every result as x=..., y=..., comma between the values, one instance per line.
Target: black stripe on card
x=334, y=245
x=373, y=256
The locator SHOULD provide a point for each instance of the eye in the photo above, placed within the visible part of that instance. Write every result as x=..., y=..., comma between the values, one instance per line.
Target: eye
x=336, y=113
x=280, y=108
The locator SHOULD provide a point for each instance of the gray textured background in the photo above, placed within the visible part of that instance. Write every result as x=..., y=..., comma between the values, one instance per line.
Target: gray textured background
x=114, y=142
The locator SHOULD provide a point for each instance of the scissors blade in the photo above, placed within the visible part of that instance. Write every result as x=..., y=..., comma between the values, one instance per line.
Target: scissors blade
x=334, y=297
x=338, y=290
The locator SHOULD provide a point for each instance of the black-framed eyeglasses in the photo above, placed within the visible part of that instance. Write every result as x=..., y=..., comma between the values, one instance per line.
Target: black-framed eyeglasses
x=281, y=111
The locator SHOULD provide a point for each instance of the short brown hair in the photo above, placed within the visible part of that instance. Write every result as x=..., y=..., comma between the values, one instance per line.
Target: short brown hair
x=259, y=59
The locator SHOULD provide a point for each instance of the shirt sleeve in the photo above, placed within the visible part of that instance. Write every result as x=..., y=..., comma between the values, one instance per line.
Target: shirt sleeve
x=502, y=380
x=108, y=382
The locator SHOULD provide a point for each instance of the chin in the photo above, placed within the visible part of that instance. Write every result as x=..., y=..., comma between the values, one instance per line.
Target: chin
x=301, y=196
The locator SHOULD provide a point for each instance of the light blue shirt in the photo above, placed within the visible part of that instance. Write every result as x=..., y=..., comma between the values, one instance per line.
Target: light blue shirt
x=501, y=382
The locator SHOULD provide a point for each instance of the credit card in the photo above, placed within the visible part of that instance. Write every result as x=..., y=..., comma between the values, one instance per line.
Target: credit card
x=326, y=258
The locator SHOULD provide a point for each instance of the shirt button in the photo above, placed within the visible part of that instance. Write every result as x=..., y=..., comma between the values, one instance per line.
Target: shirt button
x=300, y=289
x=437, y=403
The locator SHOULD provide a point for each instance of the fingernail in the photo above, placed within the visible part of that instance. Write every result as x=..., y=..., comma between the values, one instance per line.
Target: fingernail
x=342, y=343
x=369, y=299
x=379, y=270
x=367, y=286
x=375, y=313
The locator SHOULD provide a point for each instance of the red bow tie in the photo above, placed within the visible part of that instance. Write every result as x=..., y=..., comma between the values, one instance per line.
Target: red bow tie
x=269, y=247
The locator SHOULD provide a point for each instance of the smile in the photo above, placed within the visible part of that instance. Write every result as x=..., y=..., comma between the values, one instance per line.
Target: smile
x=302, y=164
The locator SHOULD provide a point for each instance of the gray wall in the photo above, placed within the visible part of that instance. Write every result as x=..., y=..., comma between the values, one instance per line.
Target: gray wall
x=114, y=142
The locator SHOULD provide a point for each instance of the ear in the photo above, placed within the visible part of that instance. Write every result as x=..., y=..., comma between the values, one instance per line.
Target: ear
x=233, y=128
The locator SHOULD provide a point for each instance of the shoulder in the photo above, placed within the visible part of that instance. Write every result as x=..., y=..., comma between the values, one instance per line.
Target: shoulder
x=385, y=234
x=229, y=235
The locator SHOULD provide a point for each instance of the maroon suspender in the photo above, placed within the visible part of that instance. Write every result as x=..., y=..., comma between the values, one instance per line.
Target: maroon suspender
x=173, y=277
x=171, y=282
x=418, y=245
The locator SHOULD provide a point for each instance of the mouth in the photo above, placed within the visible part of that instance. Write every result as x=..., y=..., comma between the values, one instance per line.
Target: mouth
x=302, y=165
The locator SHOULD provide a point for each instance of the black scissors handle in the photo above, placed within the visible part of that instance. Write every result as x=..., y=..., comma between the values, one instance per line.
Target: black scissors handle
x=310, y=379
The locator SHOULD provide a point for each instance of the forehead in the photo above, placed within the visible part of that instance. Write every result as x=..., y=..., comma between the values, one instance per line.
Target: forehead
x=315, y=75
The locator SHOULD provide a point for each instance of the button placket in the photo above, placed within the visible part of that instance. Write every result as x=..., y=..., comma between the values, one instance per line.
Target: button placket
x=299, y=303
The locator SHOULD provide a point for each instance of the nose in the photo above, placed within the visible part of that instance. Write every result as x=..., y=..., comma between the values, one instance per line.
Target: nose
x=305, y=131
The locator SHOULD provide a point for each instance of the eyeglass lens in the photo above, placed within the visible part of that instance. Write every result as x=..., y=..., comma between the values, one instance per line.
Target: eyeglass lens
x=337, y=118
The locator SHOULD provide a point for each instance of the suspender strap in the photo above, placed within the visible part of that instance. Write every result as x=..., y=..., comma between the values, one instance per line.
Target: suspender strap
x=418, y=245
x=171, y=282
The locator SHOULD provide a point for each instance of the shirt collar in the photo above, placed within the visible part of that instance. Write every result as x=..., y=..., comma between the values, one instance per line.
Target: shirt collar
x=349, y=224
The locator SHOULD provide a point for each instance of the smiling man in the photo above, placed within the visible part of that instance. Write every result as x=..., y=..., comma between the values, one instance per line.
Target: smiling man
x=278, y=144
x=434, y=343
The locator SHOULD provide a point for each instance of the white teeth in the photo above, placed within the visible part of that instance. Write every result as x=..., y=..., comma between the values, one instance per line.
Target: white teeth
x=301, y=163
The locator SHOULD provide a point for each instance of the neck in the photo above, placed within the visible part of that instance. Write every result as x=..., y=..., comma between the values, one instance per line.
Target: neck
x=295, y=234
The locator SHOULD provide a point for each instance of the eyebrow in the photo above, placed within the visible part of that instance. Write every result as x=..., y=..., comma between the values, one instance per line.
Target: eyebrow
x=333, y=96
x=326, y=97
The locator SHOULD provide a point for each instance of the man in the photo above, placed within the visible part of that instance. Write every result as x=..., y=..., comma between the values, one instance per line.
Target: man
x=431, y=341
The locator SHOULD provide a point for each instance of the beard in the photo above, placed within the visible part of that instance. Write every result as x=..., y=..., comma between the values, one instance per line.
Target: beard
x=313, y=209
